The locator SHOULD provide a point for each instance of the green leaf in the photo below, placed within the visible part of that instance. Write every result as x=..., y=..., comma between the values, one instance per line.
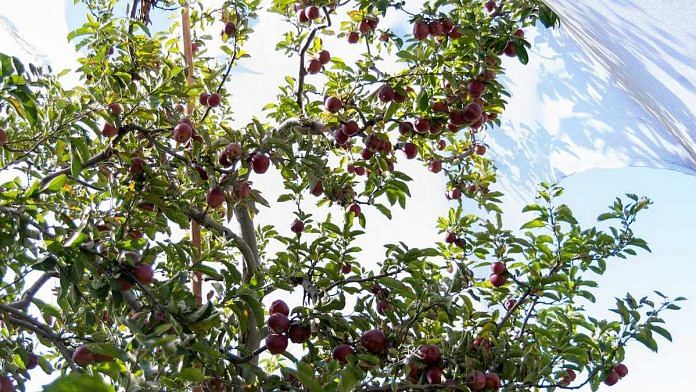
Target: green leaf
x=191, y=374
x=78, y=382
x=533, y=224
x=55, y=184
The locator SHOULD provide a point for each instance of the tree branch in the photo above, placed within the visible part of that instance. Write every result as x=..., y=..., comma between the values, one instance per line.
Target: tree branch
x=31, y=292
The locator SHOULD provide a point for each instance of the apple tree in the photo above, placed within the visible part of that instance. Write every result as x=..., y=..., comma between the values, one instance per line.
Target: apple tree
x=101, y=182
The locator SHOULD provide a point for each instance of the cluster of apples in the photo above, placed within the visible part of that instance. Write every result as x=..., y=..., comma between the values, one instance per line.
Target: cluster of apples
x=436, y=28
x=382, y=294
x=498, y=276
x=453, y=238
x=308, y=14
x=511, y=47
x=282, y=328
x=619, y=371
x=210, y=99
x=108, y=129
x=6, y=384
x=314, y=66
x=142, y=272
x=365, y=27
x=374, y=341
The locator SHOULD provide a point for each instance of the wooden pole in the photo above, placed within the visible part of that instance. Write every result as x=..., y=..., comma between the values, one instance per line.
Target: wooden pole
x=197, y=286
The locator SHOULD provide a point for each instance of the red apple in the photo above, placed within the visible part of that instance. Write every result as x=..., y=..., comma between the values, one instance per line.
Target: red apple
x=233, y=151
x=297, y=226
x=498, y=267
x=439, y=107
x=375, y=288
x=312, y=12
x=214, y=100
x=430, y=354
x=422, y=125
x=279, y=306
x=441, y=144
x=333, y=104
x=82, y=356
x=509, y=303
x=451, y=237
x=355, y=209
x=278, y=323
x=383, y=306
x=405, y=128
x=314, y=66
x=411, y=150
x=182, y=132
x=143, y=273
x=116, y=109
x=230, y=29
x=611, y=378
x=342, y=352
x=353, y=37
x=366, y=154
x=3, y=137
x=435, y=28
x=32, y=362
x=137, y=165
x=260, y=163
x=621, y=370
x=374, y=341
x=414, y=370
x=519, y=33
x=276, y=344
x=123, y=284
x=472, y=112
x=454, y=194
x=434, y=375
x=299, y=333
x=510, y=49
x=6, y=384
x=317, y=189
x=476, y=88
x=435, y=128
x=399, y=97
x=480, y=149
x=108, y=130
x=477, y=380
x=421, y=30
x=302, y=16
x=492, y=381
x=215, y=198
x=340, y=136
x=373, y=21
x=490, y=5
x=350, y=128
x=497, y=280
x=571, y=374
x=386, y=93
x=324, y=57
x=435, y=166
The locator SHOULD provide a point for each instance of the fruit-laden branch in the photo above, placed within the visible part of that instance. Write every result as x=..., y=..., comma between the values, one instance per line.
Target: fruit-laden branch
x=303, y=71
x=207, y=222
x=24, y=321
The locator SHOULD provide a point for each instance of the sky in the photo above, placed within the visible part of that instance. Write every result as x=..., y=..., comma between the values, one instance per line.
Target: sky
x=540, y=106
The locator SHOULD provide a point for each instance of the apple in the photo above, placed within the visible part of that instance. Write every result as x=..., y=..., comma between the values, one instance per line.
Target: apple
x=32, y=362
x=137, y=165
x=611, y=378
x=230, y=29
x=182, y=132
x=384, y=36
x=278, y=323
x=276, y=344
x=102, y=358
x=82, y=356
x=233, y=151
x=399, y=97
x=6, y=384
x=476, y=88
x=434, y=375
x=299, y=333
x=498, y=267
x=342, y=352
x=509, y=303
x=143, y=273
x=422, y=125
x=123, y=284
x=454, y=194
x=621, y=370
x=480, y=149
x=317, y=189
x=490, y=5
x=510, y=49
x=436, y=128
x=297, y=226
x=260, y=163
x=108, y=130
x=353, y=37
x=421, y=30
x=477, y=380
x=435, y=166
x=215, y=198
x=375, y=288
x=383, y=306
x=340, y=136
x=430, y=354
x=451, y=237
x=302, y=16
x=497, y=280
x=350, y=128
x=374, y=341
x=355, y=209
x=519, y=33
x=3, y=137
x=414, y=371
x=455, y=33
x=333, y=104
x=366, y=154
x=312, y=12
x=279, y=306
x=214, y=100
x=314, y=66
x=439, y=107
x=364, y=27
x=447, y=24
x=383, y=293
x=492, y=381
x=373, y=21
x=405, y=128
x=441, y=144
x=386, y=93
x=460, y=242
x=116, y=109
x=411, y=150
x=435, y=28
x=472, y=112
